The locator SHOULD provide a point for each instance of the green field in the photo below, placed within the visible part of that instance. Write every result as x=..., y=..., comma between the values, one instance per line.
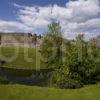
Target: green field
x=21, y=92
x=20, y=58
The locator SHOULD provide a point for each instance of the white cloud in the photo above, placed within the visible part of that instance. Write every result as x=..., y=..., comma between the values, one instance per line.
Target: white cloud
x=11, y=26
x=88, y=28
x=77, y=16
x=84, y=9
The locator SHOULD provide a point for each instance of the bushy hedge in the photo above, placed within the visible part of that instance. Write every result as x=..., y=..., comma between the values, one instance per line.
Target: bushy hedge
x=62, y=78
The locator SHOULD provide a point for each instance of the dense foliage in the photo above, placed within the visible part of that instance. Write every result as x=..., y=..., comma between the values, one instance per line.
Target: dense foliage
x=51, y=47
x=73, y=63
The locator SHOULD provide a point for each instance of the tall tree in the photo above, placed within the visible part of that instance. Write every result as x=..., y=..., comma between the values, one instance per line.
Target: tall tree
x=51, y=46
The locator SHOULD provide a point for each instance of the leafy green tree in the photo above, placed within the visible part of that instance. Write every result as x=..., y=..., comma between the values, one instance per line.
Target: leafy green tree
x=54, y=28
x=51, y=46
x=79, y=61
x=77, y=68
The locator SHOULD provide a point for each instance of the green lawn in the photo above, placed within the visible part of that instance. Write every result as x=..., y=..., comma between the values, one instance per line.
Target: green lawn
x=19, y=57
x=20, y=92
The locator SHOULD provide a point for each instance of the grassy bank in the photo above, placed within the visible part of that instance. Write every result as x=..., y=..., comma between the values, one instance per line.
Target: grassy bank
x=19, y=57
x=22, y=58
x=19, y=92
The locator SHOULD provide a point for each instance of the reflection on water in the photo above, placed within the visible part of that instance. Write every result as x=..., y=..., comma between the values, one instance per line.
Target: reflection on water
x=32, y=77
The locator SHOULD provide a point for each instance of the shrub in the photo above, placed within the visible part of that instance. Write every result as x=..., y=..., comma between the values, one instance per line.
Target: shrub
x=62, y=78
x=77, y=68
x=97, y=77
x=69, y=83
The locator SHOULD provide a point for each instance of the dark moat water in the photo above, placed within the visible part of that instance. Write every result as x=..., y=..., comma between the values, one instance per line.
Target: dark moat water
x=37, y=78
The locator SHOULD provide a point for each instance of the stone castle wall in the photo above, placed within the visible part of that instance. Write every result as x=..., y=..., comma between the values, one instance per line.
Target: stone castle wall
x=9, y=40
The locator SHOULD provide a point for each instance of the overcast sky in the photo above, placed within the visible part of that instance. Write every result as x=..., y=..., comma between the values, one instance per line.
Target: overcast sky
x=75, y=16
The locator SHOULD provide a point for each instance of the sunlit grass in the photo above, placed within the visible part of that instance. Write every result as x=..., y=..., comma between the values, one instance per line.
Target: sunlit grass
x=19, y=57
x=20, y=92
